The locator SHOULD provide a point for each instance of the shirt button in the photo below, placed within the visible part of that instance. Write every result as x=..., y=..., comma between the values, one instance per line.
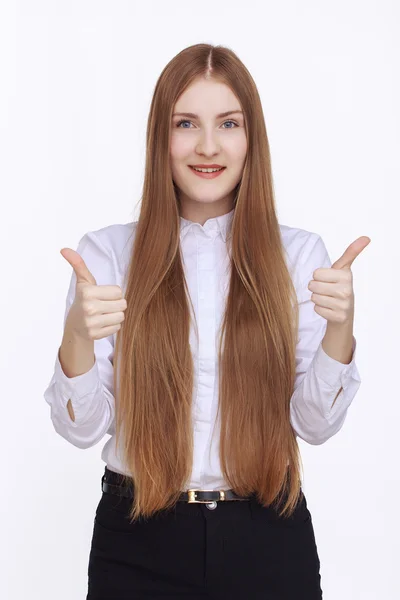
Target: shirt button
x=211, y=505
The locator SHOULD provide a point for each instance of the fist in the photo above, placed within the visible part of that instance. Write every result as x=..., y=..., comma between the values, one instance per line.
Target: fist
x=97, y=310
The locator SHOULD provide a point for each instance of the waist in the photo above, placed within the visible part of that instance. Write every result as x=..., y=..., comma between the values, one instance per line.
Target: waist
x=113, y=483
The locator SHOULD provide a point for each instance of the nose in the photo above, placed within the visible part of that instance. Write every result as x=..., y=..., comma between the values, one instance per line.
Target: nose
x=208, y=144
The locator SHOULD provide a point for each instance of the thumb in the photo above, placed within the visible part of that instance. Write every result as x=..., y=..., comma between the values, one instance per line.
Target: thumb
x=83, y=275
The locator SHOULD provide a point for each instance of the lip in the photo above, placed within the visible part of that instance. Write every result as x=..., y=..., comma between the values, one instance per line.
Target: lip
x=213, y=166
x=207, y=175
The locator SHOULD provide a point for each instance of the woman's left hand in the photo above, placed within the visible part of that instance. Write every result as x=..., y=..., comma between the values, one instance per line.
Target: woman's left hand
x=332, y=288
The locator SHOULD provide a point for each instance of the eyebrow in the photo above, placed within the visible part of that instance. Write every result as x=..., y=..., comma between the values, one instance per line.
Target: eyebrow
x=193, y=116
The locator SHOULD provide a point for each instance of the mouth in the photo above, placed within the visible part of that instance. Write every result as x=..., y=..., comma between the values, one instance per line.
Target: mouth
x=205, y=175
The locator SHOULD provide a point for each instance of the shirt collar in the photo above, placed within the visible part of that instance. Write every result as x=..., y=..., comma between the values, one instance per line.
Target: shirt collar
x=221, y=224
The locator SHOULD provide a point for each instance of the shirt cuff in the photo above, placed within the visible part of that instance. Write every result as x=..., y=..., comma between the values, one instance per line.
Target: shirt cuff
x=78, y=387
x=331, y=371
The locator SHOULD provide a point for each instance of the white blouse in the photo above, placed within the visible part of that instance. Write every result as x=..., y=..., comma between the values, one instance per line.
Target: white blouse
x=315, y=415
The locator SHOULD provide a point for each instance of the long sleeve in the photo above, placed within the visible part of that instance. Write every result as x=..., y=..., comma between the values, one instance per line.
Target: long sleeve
x=324, y=387
x=91, y=393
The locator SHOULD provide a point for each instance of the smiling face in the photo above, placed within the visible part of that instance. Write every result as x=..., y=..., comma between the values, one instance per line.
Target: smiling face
x=207, y=138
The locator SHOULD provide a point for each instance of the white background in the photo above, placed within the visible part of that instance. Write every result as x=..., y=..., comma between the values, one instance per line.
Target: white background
x=76, y=84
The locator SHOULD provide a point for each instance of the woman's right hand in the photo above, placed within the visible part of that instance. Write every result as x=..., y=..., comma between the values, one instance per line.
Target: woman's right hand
x=97, y=310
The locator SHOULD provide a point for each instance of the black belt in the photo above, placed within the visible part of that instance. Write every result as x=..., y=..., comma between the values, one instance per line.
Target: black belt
x=190, y=496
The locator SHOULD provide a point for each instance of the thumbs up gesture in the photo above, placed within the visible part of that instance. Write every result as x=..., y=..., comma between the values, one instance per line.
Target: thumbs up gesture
x=333, y=293
x=97, y=310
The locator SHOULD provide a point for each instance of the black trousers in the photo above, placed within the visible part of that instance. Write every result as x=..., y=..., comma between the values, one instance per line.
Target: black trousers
x=238, y=550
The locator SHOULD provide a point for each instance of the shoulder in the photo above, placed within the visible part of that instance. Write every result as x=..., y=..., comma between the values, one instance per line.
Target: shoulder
x=116, y=239
x=305, y=251
x=296, y=241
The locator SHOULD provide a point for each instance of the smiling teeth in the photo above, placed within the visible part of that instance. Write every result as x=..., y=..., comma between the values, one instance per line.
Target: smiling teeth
x=207, y=170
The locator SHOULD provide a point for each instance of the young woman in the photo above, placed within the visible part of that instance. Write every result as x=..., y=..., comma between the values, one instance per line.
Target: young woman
x=204, y=338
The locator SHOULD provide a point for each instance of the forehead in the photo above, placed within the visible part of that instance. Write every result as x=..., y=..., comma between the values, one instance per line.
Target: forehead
x=207, y=97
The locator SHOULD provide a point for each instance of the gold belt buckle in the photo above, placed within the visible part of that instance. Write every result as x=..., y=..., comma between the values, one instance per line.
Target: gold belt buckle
x=193, y=493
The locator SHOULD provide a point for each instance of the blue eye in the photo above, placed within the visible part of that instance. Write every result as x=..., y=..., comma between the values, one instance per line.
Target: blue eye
x=231, y=122
x=187, y=121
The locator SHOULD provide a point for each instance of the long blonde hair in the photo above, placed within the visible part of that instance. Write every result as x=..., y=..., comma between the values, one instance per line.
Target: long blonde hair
x=153, y=365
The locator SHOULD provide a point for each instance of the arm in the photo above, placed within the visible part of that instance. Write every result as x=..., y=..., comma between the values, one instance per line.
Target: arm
x=76, y=357
x=83, y=406
x=324, y=387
